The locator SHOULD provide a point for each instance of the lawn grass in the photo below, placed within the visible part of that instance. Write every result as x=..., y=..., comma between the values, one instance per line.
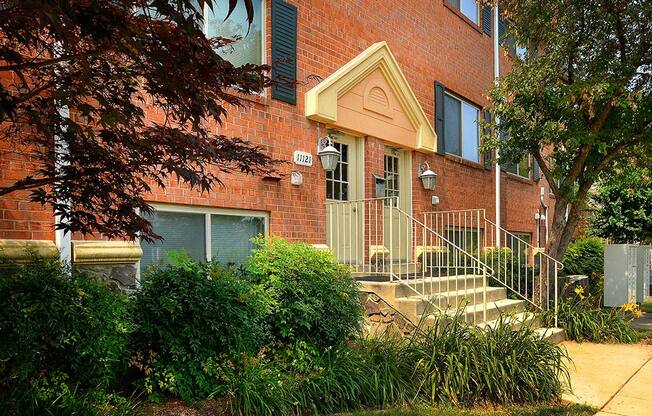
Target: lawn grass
x=542, y=410
x=646, y=305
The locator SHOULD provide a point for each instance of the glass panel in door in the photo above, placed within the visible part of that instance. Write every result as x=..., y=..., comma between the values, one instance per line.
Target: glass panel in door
x=397, y=230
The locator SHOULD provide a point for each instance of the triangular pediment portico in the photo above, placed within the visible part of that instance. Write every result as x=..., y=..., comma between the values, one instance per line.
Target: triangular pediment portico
x=370, y=96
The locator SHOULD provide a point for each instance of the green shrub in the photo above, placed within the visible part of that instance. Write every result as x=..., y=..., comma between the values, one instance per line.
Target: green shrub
x=314, y=298
x=64, y=334
x=585, y=256
x=584, y=321
x=190, y=318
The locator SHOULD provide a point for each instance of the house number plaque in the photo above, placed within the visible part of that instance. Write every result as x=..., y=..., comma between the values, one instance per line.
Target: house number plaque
x=302, y=158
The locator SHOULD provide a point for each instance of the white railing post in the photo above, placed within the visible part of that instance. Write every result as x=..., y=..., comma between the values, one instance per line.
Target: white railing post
x=556, y=294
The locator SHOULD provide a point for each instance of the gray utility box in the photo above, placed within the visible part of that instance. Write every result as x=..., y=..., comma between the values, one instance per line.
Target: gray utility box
x=626, y=273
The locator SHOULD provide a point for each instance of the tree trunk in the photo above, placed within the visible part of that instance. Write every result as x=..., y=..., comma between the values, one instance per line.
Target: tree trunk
x=557, y=230
x=562, y=229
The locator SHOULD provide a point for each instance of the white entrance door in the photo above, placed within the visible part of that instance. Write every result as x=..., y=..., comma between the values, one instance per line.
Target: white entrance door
x=344, y=220
x=398, y=184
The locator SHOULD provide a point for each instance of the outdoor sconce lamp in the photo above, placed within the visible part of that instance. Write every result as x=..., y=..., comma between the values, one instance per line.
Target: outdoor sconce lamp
x=327, y=153
x=428, y=177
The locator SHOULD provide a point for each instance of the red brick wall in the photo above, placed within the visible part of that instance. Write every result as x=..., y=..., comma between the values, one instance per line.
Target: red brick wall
x=20, y=218
x=429, y=41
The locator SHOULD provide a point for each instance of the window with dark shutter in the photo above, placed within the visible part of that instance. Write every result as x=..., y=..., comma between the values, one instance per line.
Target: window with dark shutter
x=284, y=51
x=536, y=174
x=506, y=40
x=486, y=20
x=439, y=117
x=502, y=26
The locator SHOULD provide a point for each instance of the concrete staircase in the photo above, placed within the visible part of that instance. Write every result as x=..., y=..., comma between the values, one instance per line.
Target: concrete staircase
x=419, y=300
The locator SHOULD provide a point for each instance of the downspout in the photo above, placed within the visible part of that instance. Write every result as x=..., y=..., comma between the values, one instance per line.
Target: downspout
x=496, y=76
x=62, y=239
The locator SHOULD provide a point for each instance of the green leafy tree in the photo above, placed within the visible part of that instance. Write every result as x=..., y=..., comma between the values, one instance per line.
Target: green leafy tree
x=623, y=206
x=75, y=79
x=581, y=100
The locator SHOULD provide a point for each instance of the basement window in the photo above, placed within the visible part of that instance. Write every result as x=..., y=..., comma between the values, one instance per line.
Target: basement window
x=218, y=235
x=468, y=239
x=518, y=242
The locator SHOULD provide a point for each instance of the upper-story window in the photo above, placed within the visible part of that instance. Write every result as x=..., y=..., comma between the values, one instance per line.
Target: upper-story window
x=469, y=8
x=461, y=132
x=521, y=168
x=507, y=40
x=521, y=52
x=249, y=46
x=248, y=49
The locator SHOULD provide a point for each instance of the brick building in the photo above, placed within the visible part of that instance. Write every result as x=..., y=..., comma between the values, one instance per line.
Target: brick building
x=394, y=85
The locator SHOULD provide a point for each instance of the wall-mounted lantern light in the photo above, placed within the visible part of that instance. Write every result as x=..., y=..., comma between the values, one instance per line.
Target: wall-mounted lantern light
x=327, y=153
x=428, y=177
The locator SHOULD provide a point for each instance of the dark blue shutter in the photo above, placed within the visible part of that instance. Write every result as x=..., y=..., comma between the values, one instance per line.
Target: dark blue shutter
x=284, y=51
x=486, y=20
x=488, y=154
x=439, y=116
x=503, y=136
x=536, y=174
x=502, y=27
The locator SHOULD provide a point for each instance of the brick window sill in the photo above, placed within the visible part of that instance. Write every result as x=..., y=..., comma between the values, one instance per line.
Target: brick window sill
x=464, y=162
x=518, y=178
x=468, y=21
x=261, y=99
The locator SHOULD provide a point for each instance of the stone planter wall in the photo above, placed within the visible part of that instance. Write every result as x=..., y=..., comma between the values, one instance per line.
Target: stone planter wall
x=382, y=317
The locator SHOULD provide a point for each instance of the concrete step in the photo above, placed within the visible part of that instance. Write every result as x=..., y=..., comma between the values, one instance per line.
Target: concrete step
x=390, y=289
x=397, y=268
x=436, y=285
x=516, y=321
x=452, y=299
x=553, y=335
x=476, y=313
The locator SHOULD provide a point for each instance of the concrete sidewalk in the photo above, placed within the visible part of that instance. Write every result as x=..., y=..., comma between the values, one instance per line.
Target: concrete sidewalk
x=615, y=378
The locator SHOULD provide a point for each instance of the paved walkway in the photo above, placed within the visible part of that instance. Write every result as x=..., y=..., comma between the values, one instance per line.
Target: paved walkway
x=617, y=379
x=643, y=322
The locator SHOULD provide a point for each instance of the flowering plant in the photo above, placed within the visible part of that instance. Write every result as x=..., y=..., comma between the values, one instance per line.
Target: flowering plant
x=631, y=308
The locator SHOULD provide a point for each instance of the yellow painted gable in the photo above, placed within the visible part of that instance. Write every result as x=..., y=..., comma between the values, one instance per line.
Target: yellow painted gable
x=370, y=96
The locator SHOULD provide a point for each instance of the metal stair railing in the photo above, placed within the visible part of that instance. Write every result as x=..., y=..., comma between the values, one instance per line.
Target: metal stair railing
x=525, y=270
x=378, y=240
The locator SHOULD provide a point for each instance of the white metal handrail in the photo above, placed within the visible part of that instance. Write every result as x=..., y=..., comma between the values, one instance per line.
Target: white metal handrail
x=379, y=240
x=524, y=269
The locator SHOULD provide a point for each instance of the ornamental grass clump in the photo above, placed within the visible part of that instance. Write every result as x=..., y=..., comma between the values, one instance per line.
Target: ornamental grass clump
x=584, y=321
x=449, y=363
x=465, y=365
